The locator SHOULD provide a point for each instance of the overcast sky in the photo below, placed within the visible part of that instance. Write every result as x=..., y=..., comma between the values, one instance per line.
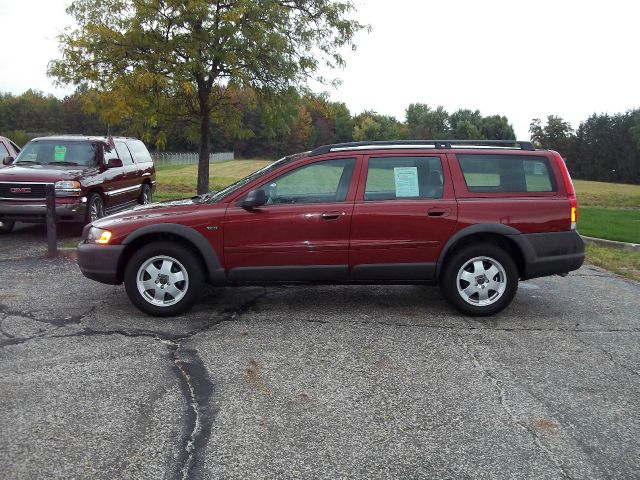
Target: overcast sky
x=519, y=58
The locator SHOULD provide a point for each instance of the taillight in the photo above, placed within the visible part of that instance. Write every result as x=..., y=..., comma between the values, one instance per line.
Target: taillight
x=573, y=203
x=571, y=193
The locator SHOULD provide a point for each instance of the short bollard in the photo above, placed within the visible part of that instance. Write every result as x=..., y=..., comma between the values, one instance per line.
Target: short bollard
x=52, y=244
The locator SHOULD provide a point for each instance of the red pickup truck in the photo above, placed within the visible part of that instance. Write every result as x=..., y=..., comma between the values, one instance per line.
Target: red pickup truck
x=93, y=177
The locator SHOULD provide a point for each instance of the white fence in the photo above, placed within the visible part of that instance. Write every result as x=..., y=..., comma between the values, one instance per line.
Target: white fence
x=189, y=158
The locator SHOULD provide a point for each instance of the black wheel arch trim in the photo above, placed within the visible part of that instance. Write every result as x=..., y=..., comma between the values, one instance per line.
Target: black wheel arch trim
x=496, y=228
x=215, y=271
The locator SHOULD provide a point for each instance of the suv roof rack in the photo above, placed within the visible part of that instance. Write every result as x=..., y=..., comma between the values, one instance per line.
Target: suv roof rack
x=436, y=144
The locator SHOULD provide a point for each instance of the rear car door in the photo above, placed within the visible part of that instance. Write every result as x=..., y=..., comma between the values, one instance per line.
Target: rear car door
x=302, y=233
x=115, y=184
x=405, y=211
x=132, y=180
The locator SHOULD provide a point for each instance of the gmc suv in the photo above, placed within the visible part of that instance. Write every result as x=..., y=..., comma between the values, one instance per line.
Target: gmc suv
x=473, y=217
x=93, y=176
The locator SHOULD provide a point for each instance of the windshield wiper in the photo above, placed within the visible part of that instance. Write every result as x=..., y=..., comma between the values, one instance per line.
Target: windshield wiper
x=28, y=161
x=62, y=163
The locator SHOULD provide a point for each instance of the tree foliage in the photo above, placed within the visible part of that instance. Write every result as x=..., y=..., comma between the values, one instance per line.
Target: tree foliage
x=146, y=60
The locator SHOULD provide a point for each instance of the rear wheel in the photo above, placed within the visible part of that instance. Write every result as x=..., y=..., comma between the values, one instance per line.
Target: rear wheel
x=163, y=279
x=6, y=226
x=480, y=280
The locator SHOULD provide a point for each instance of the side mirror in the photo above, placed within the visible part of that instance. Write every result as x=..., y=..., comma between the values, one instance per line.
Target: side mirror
x=254, y=198
x=114, y=163
x=7, y=160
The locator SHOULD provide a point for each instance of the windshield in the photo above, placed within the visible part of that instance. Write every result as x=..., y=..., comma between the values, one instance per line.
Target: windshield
x=59, y=152
x=216, y=196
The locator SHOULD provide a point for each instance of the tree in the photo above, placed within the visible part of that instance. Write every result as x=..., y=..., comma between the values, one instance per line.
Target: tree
x=425, y=123
x=496, y=127
x=177, y=58
x=372, y=126
x=556, y=134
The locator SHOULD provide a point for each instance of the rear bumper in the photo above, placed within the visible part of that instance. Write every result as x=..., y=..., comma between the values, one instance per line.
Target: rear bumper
x=551, y=253
x=67, y=210
x=100, y=262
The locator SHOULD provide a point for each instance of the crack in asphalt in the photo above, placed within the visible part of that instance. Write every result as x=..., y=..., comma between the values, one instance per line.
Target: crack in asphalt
x=610, y=356
x=502, y=398
x=196, y=385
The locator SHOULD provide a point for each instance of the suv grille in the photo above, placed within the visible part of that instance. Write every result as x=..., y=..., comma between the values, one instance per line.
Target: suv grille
x=25, y=191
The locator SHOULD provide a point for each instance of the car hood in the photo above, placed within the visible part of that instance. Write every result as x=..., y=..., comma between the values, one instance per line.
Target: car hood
x=44, y=173
x=162, y=212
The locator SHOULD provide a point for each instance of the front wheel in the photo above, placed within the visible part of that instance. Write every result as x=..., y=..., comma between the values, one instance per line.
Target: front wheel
x=95, y=208
x=6, y=226
x=480, y=280
x=163, y=279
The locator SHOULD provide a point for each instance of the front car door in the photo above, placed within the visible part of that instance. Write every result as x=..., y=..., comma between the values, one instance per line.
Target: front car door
x=302, y=233
x=405, y=211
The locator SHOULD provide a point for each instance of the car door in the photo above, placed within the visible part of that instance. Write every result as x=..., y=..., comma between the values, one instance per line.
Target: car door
x=302, y=233
x=405, y=211
x=115, y=184
x=132, y=180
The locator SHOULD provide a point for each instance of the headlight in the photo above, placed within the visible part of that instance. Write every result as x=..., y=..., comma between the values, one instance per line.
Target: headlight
x=66, y=188
x=99, y=235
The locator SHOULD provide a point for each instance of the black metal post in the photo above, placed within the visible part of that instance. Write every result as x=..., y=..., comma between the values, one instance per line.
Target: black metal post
x=52, y=244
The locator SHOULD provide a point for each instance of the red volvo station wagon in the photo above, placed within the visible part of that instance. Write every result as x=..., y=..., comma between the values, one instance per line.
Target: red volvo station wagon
x=473, y=217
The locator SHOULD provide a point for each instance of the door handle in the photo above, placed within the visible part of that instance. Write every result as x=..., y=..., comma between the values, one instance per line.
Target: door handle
x=332, y=215
x=438, y=212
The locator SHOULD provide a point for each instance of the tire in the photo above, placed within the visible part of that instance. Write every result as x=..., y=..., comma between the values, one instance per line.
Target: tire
x=164, y=279
x=472, y=293
x=95, y=208
x=146, y=197
x=6, y=226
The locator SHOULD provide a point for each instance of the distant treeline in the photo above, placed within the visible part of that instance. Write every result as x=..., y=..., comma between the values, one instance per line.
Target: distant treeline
x=604, y=147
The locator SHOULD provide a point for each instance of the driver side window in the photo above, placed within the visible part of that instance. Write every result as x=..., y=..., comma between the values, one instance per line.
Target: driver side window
x=321, y=182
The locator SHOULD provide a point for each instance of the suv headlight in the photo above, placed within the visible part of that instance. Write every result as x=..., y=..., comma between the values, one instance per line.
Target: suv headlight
x=99, y=236
x=67, y=188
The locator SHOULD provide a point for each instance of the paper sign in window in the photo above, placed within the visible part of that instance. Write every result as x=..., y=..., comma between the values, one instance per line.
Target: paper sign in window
x=59, y=153
x=406, y=181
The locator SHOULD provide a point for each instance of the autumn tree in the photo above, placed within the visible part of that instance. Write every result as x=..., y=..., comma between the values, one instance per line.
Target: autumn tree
x=149, y=59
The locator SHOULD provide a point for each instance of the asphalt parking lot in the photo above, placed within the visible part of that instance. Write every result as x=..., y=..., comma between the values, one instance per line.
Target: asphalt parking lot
x=314, y=382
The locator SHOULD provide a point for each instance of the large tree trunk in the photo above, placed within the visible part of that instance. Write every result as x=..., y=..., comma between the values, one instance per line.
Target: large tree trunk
x=203, y=157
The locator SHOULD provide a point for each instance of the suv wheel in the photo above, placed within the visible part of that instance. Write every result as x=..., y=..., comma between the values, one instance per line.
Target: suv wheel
x=480, y=280
x=163, y=279
x=145, y=197
x=95, y=207
x=6, y=226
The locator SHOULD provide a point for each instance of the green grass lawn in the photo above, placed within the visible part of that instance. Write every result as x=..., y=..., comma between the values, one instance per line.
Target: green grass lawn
x=607, y=195
x=620, y=225
x=609, y=210
x=626, y=264
x=179, y=181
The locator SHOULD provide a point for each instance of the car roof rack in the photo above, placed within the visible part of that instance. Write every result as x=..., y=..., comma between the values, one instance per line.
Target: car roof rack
x=435, y=144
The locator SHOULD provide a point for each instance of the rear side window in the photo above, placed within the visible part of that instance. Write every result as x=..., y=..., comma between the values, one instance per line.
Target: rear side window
x=139, y=151
x=506, y=173
x=404, y=178
x=124, y=153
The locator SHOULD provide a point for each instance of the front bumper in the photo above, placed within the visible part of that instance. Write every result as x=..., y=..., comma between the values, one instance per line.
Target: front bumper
x=100, y=262
x=67, y=210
